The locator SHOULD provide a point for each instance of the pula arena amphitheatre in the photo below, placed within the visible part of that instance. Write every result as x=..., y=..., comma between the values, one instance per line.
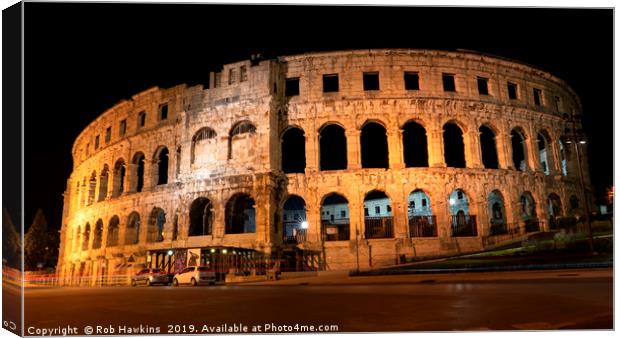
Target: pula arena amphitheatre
x=322, y=161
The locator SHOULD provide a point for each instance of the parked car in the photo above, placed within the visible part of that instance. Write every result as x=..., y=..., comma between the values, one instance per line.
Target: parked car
x=150, y=277
x=194, y=275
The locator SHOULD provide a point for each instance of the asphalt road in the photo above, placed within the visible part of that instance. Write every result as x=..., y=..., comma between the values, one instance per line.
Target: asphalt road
x=569, y=301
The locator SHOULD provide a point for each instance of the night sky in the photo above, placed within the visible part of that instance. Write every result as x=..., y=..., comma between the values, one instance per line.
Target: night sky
x=81, y=59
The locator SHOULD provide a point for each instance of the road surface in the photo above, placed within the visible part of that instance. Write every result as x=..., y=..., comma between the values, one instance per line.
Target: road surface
x=417, y=303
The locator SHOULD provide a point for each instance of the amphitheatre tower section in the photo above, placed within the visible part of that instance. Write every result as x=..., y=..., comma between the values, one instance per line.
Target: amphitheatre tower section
x=322, y=161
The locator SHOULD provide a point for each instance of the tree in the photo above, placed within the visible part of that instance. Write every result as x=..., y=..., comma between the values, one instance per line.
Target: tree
x=10, y=241
x=39, y=244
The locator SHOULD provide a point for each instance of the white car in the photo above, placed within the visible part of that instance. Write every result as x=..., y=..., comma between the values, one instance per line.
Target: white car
x=194, y=275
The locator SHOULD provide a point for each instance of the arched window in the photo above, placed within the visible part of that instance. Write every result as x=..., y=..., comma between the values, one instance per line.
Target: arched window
x=335, y=218
x=497, y=213
x=462, y=222
x=415, y=146
x=422, y=222
x=119, y=178
x=239, y=145
x=113, y=231
x=138, y=174
x=98, y=234
x=86, y=237
x=155, y=229
x=332, y=147
x=454, y=148
x=92, y=184
x=378, y=220
x=574, y=204
x=528, y=206
x=240, y=215
x=161, y=163
x=488, y=148
x=293, y=151
x=544, y=152
x=373, y=141
x=200, y=142
x=294, y=220
x=518, y=149
x=563, y=159
x=201, y=217
x=103, y=184
x=132, y=231
x=555, y=205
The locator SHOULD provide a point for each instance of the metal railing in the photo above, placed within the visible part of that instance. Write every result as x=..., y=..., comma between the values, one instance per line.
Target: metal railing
x=558, y=223
x=379, y=227
x=463, y=225
x=532, y=225
x=423, y=226
x=502, y=232
x=335, y=231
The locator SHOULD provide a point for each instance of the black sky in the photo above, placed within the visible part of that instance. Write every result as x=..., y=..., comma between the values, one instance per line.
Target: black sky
x=81, y=59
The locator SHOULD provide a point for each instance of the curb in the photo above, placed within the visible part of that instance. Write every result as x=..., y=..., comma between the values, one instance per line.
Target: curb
x=389, y=272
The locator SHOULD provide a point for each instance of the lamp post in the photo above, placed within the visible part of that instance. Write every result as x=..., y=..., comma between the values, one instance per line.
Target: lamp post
x=572, y=137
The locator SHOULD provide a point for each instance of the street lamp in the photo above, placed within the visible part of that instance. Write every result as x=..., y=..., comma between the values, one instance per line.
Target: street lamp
x=577, y=137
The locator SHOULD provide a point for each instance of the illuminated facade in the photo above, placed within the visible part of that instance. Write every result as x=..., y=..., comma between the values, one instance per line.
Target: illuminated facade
x=321, y=161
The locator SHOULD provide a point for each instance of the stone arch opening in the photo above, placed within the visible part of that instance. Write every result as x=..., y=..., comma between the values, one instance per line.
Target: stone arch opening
x=573, y=201
x=463, y=223
x=138, y=174
x=294, y=219
x=453, y=145
x=293, y=151
x=239, y=140
x=378, y=217
x=563, y=158
x=374, y=146
x=103, y=183
x=155, y=226
x=528, y=212
x=415, y=145
x=202, y=143
x=335, y=218
x=132, y=231
x=161, y=166
x=240, y=214
x=332, y=147
x=544, y=152
x=119, y=178
x=201, y=217
x=555, y=205
x=488, y=148
x=86, y=237
x=113, y=231
x=497, y=213
x=528, y=206
x=517, y=139
x=422, y=222
x=92, y=184
x=97, y=236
